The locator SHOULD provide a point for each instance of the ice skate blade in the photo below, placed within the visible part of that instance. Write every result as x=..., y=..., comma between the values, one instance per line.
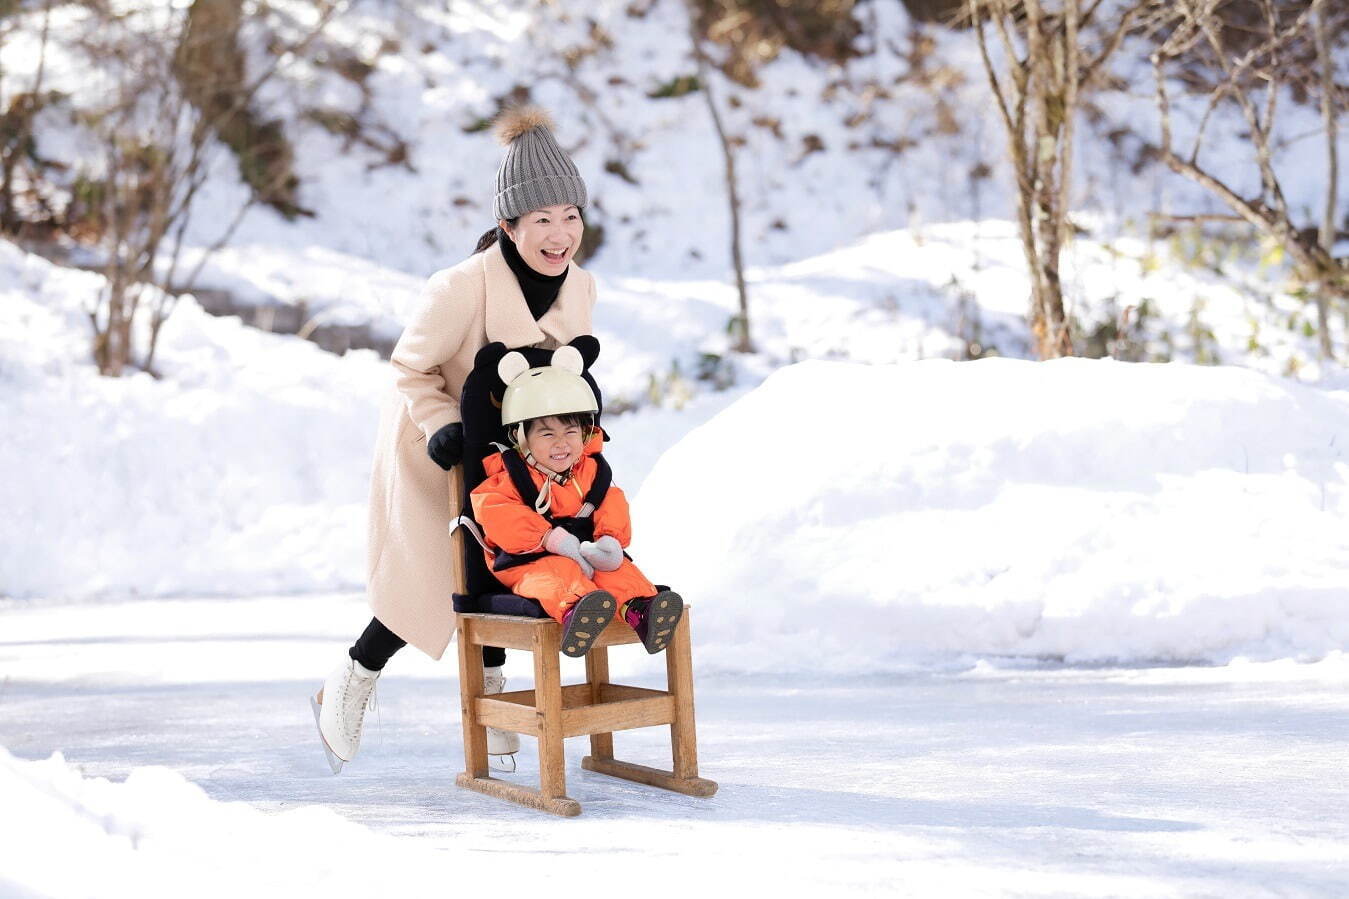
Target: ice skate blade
x=333, y=761
x=498, y=762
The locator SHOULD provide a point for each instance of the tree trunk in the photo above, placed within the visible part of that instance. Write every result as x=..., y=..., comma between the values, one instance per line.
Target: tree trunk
x=1037, y=104
x=743, y=343
x=1328, y=229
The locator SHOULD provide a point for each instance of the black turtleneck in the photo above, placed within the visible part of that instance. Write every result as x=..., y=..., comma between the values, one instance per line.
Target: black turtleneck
x=540, y=290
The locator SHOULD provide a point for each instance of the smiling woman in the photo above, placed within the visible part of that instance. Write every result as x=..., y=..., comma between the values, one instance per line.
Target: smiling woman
x=547, y=238
x=519, y=287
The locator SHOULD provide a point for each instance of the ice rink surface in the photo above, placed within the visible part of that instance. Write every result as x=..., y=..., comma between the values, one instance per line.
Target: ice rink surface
x=970, y=777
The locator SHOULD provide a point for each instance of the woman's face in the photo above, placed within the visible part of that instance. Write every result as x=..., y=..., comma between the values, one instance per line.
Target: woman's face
x=547, y=238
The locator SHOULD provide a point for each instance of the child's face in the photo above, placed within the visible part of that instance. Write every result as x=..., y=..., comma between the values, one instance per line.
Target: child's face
x=554, y=444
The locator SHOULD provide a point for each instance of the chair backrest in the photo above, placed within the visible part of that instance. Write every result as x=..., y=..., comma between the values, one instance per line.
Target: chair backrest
x=480, y=408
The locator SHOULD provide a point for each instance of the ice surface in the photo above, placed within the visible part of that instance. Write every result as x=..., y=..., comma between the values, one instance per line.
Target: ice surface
x=978, y=777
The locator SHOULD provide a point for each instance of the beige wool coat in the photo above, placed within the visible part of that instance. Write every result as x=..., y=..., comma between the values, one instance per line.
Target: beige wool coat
x=462, y=309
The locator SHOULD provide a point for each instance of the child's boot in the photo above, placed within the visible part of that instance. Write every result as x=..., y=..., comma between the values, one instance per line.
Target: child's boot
x=654, y=618
x=499, y=742
x=584, y=621
x=339, y=710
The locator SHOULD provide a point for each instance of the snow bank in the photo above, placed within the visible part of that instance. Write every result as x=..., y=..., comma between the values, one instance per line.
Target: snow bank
x=156, y=834
x=846, y=517
x=244, y=469
x=850, y=515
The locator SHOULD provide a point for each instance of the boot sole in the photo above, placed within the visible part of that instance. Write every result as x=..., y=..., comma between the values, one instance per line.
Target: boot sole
x=333, y=761
x=589, y=617
x=662, y=618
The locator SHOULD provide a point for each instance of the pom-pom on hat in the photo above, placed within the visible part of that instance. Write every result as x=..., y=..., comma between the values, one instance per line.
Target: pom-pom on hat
x=535, y=172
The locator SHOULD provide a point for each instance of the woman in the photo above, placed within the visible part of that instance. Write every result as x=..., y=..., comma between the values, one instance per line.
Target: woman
x=519, y=287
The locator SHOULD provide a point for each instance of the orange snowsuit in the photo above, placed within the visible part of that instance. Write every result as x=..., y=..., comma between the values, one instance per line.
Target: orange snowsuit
x=556, y=582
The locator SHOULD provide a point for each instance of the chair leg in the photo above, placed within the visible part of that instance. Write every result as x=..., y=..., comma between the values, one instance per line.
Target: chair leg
x=683, y=738
x=548, y=703
x=476, y=775
x=679, y=672
x=470, y=686
x=597, y=675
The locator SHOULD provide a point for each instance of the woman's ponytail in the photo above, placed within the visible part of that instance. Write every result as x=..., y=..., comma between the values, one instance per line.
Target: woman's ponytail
x=492, y=236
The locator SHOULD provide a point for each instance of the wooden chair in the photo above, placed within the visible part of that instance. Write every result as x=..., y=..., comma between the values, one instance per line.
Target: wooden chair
x=552, y=712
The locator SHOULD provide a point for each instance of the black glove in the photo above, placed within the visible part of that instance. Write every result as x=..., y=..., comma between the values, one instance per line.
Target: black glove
x=446, y=446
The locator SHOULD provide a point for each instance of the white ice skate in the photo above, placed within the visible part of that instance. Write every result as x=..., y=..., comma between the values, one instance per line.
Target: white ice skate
x=502, y=744
x=339, y=710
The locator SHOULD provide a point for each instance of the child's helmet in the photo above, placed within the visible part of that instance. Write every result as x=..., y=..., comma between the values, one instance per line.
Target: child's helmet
x=554, y=389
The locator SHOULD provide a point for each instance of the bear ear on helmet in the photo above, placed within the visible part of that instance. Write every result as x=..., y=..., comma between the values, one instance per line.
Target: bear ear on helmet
x=569, y=359
x=511, y=366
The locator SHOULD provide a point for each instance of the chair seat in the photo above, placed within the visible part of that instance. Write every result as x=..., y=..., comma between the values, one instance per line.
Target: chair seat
x=498, y=604
x=517, y=631
x=504, y=604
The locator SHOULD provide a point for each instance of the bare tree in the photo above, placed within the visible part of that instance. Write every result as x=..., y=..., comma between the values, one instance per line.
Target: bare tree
x=1331, y=123
x=740, y=324
x=158, y=149
x=1050, y=55
x=18, y=112
x=1252, y=78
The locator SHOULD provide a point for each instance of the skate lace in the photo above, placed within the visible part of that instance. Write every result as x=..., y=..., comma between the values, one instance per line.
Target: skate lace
x=358, y=694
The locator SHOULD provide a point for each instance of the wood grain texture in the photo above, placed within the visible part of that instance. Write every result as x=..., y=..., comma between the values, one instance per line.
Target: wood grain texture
x=679, y=671
x=597, y=679
x=470, y=688
x=652, y=777
x=511, y=716
x=490, y=786
x=548, y=691
x=625, y=714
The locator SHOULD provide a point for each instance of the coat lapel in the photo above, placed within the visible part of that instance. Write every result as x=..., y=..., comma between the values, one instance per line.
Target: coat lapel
x=507, y=317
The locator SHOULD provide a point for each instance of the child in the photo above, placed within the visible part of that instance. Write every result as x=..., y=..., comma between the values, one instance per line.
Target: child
x=553, y=535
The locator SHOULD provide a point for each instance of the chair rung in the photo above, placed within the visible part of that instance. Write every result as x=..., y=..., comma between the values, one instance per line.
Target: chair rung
x=621, y=707
x=625, y=714
x=493, y=712
x=574, y=695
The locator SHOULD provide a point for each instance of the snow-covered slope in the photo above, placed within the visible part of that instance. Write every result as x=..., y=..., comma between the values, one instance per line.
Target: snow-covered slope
x=1081, y=509
x=844, y=516
x=231, y=472
x=386, y=114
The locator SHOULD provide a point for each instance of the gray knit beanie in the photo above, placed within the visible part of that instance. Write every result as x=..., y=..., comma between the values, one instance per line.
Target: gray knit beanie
x=535, y=172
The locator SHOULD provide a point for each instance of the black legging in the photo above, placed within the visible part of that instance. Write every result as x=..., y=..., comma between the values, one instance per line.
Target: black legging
x=377, y=644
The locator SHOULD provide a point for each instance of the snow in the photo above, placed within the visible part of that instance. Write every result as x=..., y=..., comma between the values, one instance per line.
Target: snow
x=904, y=130
x=231, y=473
x=979, y=628
x=1082, y=510
x=157, y=834
x=961, y=628
x=843, y=515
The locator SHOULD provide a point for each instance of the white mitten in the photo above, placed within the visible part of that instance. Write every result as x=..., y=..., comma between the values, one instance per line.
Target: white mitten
x=606, y=554
x=560, y=542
